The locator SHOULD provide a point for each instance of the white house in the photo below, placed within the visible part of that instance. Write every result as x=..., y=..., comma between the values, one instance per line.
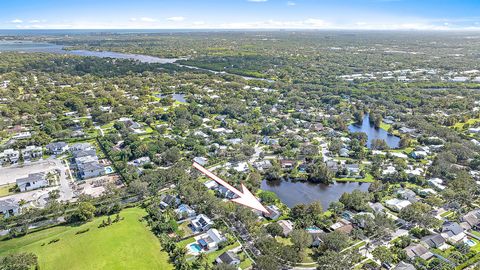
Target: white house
x=31, y=152
x=9, y=207
x=210, y=240
x=57, y=148
x=201, y=223
x=397, y=204
x=32, y=181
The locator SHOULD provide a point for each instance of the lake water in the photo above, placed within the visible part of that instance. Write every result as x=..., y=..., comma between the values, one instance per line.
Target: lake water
x=293, y=193
x=374, y=133
x=177, y=97
x=27, y=46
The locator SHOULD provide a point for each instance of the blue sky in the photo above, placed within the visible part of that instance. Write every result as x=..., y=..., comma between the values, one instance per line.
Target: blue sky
x=240, y=14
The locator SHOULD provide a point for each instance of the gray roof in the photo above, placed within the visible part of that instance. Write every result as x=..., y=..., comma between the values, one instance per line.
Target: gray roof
x=435, y=240
x=33, y=177
x=404, y=266
x=452, y=228
x=228, y=257
x=56, y=145
x=8, y=204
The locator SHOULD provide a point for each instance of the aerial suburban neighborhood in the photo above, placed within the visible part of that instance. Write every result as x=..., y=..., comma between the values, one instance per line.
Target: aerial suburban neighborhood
x=300, y=144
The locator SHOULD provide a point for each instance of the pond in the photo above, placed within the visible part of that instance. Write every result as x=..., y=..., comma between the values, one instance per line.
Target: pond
x=374, y=133
x=293, y=193
x=176, y=97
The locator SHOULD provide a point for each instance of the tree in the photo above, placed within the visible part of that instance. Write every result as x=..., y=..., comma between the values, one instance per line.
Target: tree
x=265, y=262
x=319, y=172
x=420, y=214
x=18, y=261
x=332, y=260
x=383, y=254
x=224, y=266
x=274, y=229
x=336, y=208
x=84, y=212
x=268, y=197
x=301, y=239
x=138, y=188
x=335, y=241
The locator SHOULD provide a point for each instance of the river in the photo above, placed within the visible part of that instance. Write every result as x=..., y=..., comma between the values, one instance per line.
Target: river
x=374, y=133
x=29, y=46
x=293, y=193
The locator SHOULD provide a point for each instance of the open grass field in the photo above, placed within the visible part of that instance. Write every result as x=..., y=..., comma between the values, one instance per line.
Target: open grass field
x=128, y=244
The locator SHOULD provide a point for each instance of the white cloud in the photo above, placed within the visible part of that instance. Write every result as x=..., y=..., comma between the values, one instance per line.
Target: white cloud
x=147, y=19
x=37, y=21
x=197, y=23
x=16, y=21
x=291, y=3
x=273, y=24
x=176, y=19
x=257, y=1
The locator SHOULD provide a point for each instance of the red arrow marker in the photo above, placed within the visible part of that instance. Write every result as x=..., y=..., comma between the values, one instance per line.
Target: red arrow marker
x=245, y=197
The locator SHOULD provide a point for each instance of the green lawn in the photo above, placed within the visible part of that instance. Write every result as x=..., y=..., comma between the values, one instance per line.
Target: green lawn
x=128, y=244
x=5, y=189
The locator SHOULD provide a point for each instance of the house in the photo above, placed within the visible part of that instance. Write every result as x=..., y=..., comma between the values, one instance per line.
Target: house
x=80, y=147
x=404, y=266
x=225, y=192
x=268, y=141
x=332, y=165
x=211, y=184
x=287, y=226
x=9, y=207
x=200, y=223
x=184, y=211
x=407, y=194
x=229, y=258
x=201, y=160
x=262, y=165
x=140, y=161
x=22, y=135
x=343, y=226
x=10, y=155
x=419, y=154
x=168, y=200
x=453, y=232
x=273, y=212
x=343, y=152
x=437, y=183
x=377, y=207
x=210, y=240
x=417, y=250
x=90, y=169
x=397, y=204
x=471, y=220
x=31, y=152
x=32, y=181
x=352, y=169
x=434, y=241
x=287, y=163
x=57, y=148
x=234, y=141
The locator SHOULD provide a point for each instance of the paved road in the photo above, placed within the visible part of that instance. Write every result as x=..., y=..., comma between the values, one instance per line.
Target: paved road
x=11, y=173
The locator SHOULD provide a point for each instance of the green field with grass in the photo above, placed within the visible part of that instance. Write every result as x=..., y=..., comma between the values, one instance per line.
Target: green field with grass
x=128, y=244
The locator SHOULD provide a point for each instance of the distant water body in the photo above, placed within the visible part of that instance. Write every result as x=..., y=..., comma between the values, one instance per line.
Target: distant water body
x=28, y=46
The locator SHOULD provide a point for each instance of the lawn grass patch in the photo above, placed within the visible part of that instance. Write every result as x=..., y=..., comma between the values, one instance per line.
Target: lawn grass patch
x=128, y=244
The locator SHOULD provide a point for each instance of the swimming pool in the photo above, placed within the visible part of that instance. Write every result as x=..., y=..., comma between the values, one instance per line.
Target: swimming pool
x=194, y=248
x=108, y=170
x=470, y=242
